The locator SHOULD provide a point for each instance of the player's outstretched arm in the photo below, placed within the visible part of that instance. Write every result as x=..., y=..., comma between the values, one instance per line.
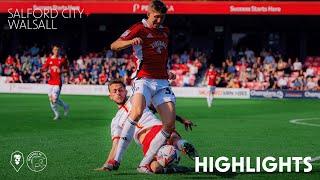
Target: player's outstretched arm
x=45, y=66
x=123, y=44
x=111, y=155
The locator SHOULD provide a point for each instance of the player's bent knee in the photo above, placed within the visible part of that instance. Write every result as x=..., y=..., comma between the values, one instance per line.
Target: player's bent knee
x=169, y=129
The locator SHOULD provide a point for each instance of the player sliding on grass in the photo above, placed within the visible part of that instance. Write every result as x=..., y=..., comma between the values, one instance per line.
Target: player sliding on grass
x=56, y=66
x=149, y=40
x=145, y=131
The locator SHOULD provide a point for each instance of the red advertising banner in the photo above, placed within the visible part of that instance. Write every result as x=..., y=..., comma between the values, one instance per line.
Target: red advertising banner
x=175, y=7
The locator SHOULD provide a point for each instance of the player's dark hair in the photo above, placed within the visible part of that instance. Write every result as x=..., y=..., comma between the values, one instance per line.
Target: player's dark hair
x=158, y=6
x=116, y=81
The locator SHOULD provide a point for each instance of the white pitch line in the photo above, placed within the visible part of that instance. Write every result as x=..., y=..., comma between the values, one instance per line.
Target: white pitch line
x=315, y=159
x=312, y=160
x=298, y=121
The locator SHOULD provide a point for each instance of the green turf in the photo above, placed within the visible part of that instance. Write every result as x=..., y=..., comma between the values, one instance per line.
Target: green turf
x=77, y=144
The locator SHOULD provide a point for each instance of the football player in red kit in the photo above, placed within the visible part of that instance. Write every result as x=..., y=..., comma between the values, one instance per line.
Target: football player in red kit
x=210, y=79
x=56, y=65
x=149, y=40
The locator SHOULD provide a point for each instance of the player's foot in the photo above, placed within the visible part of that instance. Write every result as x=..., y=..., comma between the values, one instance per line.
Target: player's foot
x=56, y=117
x=66, y=110
x=112, y=165
x=190, y=150
x=144, y=169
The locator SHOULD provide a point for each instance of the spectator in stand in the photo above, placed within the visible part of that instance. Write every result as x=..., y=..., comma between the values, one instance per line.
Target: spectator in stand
x=309, y=72
x=184, y=57
x=297, y=84
x=281, y=65
x=122, y=71
x=71, y=79
x=282, y=83
x=10, y=61
x=249, y=71
x=272, y=81
x=233, y=83
x=15, y=77
x=102, y=77
x=260, y=76
x=36, y=76
x=186, y=80
x=80, y=79
x=297, y=65
x=269, y=59
x=249, y=55
x=251, y=74
x=94, y=74
x=311, y=84
x=34, y=50
x=231, y=69
x=26, y=76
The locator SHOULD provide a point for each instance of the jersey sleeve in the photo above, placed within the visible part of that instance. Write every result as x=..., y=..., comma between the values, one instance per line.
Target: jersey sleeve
x=45, y=65
x=131, y=33
x=115, y=129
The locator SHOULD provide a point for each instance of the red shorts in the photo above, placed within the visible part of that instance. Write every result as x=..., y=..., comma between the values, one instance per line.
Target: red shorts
x=149, y=137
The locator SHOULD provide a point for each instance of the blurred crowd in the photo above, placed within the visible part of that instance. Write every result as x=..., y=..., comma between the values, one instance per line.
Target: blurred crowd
x=96, y=68
x=243, y=69
x=268, y=70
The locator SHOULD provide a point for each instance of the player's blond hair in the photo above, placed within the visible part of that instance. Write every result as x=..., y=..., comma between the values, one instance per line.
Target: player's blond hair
x=158, y=6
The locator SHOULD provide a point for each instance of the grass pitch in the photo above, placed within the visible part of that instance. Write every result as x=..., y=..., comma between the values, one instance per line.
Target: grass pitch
x=78, y=144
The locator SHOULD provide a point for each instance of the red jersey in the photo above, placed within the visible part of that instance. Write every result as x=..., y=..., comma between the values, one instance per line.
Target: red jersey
x=151, y=56
x=103, y=78
x=15, y=77
x=10, y=61
x=211, y=75
x=55, y=66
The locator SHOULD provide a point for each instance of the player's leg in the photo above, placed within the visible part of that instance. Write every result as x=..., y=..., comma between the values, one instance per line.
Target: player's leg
x=209, y=96
x=164, y=101
x=183, y=145
x=60, y=102
x=212, y=90
x=53, y=101
x=140, y=99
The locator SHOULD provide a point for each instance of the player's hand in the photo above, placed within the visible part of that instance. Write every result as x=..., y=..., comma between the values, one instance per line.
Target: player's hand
x=101, y=169
x=136, y=41
x=188, y=124
x=171, y=76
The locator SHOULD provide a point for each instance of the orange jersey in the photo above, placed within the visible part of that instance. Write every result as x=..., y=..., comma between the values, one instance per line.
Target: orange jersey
x=55, y=66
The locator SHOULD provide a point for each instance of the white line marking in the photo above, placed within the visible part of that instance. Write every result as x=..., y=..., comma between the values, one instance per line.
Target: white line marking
x=315, y=159
x=298, y=121
x=312, y=160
